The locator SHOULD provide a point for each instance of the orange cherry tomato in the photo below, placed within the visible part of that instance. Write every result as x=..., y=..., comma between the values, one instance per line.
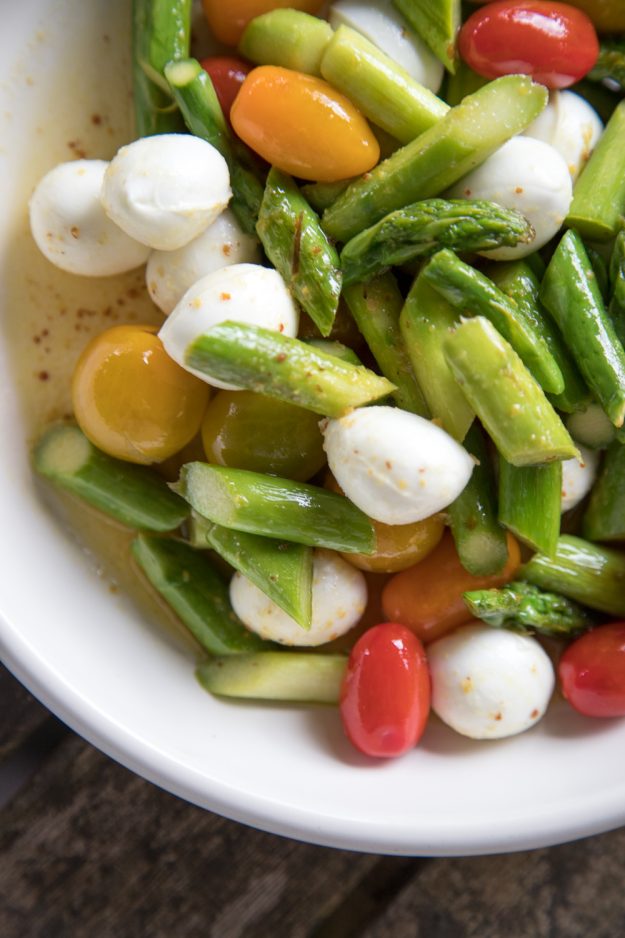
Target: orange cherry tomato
x=132, y=400
x=228, y=18
x=303, y=126
x=428, y=597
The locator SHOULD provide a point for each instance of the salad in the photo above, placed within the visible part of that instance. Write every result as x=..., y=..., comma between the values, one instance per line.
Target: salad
x=373, y=455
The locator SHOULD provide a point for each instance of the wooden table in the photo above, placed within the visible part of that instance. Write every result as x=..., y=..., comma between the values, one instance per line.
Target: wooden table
x=90, y=850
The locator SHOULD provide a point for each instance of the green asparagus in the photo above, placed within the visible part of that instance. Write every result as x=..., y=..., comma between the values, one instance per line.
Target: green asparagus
x=301, y=677
x=287, y=38
x=529, y=503
x=617, y=286
x=161, y=31
x=611, y=63
x=523, y=607
x=437, y=23
x=604, y=519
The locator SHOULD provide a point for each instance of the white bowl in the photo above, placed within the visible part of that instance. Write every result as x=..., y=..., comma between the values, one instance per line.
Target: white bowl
x=98, y=659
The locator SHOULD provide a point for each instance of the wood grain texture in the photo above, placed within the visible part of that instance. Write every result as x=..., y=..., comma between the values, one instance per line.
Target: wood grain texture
x=20, y=713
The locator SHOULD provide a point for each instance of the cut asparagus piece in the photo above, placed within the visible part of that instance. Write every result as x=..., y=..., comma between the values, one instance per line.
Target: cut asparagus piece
x=376, y=307
x=161, y=31
x=611, y=63
x=617, y=286
x=288, y=38
x=193, y=90
x=278, y=508
x=321, y=195
x=530, y=500
x=296, y=245
x=592, y=427
x=605, y=516
x=472, y=293
x=480, y=540
x=273, y=364
x=337, y=349
x=522, y=606
x=134, y=495
x=464, y=81
x=186, y=580
x=466, y=136
x=598, y=202
x=437, y=23
x=507, y=399
x=300, y=677
x=585, y=572
x=570, y=293
x=281, y=569
x=426, y=320
x=380, y=88
x=426, y=227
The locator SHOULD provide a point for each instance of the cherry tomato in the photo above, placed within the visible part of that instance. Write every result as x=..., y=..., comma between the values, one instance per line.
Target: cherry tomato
x=227, y=74
x=592, y=672
x=303, y=126
x=132, y=400
x=228, y=18
x=428, y=597
x=554, y=43
x=385, y=697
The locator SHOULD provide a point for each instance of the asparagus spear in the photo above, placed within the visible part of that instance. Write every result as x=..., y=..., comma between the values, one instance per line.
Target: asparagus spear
x=288, y=38
x=470, y=291
x=464, y=138
x=337, y=349
x=611, y=62
x=278, y=508
x=521, y=284
x=296, y=245
x=265, y=361
x=195, y=591
x=425, y=322
x=381, y=89
x=301, y=677
x=617, y=284
x=425, y=227
x=530, y=500
x=584, y=572
x=281, y=569
x=321, y=195
x=480, y=541
x=522, y=606
x=376, y=307
x=464, y=81
x=600, y=269
x=507, y=399
x=599, y=196
x=604, y=519
x=161, y=31
x=193, y=90
x=570, y=293
x=437, y=23
x=134, y=495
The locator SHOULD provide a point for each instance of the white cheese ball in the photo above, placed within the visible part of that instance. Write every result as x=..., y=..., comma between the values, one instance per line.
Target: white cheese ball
x=488, y=683
x=169, y=274
x=71, y=228
x=244, y=293
x=529, y=176
x=339, y=597
x=166, y=190
x=571, y=126
x=578, y=476
x=395, y=466
x=385, y=27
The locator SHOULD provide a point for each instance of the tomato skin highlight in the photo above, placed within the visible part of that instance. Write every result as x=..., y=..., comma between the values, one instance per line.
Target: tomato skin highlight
x=553, y=42
x=385, y=697
x=301, y=125
x=227, y=74
x=592, y=672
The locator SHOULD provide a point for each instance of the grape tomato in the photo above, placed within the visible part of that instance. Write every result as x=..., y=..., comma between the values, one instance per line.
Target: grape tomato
x=227, y=74
x=592, y=672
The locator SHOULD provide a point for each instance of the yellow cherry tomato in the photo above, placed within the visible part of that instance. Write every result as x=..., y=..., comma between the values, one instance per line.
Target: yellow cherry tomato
x=303, y=126
x=132, y=400
x=228, y=18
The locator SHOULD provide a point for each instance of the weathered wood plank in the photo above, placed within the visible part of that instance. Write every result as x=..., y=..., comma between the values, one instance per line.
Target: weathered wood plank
x=20, y=713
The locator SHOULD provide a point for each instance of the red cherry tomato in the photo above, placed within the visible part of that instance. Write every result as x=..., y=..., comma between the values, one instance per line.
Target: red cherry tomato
x=227, y=74
x=385, y=698
x=592, y=672
x=553, y=42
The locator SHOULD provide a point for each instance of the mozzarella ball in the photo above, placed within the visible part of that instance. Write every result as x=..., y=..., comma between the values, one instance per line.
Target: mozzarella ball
x=395, y=466
x=244, y=293
x=339, y=597
x=169, y=274
x=578, y=476
x=571, y=126
x=385, y=27
x=166, y=190
x=529, y=176
x=71, y=228
x=488, y=683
